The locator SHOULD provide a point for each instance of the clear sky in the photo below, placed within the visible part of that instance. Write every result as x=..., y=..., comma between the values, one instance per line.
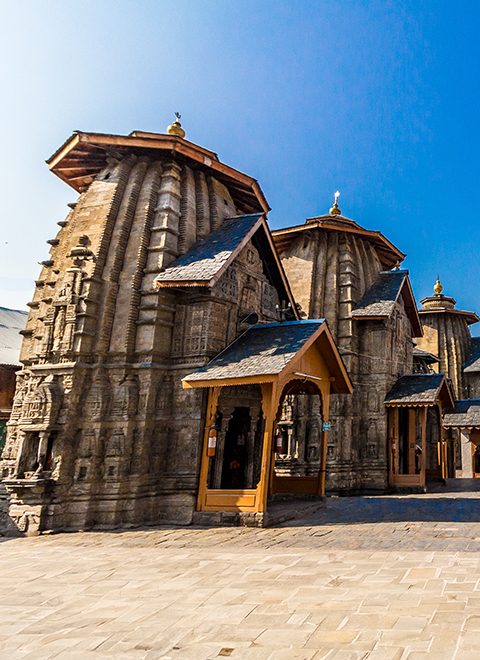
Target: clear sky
x=378, y=99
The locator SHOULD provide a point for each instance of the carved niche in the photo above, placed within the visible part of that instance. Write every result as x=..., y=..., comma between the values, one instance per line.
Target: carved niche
x=60, y=317
x=20, y=392
x=124, y=402
x=42, y=402
x=97, y=398
x=114, y=454
x=164, y=397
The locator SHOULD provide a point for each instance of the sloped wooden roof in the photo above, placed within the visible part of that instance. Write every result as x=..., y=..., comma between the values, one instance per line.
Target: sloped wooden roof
x=421, y=390
x=465, y=415
x=83, y=155
x=388, y=254
x=207, y=259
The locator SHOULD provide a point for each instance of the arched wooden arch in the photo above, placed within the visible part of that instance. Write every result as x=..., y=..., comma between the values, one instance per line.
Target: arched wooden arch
x=304, y=484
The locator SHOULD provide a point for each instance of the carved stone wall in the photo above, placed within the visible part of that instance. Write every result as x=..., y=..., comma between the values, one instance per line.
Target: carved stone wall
x=102, y=433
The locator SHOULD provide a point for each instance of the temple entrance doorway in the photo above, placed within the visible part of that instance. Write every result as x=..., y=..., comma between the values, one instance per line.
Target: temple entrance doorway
x=299, y=446
x=234, y=448
x=235, y=460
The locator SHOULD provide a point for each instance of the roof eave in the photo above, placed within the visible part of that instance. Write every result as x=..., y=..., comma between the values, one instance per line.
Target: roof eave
x=382, y=243
x=229, y=382
x=162, y=142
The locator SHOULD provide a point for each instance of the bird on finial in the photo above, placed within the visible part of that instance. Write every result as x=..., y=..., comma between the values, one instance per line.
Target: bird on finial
x=175, y=127
x=438, y=288
x=335, y=210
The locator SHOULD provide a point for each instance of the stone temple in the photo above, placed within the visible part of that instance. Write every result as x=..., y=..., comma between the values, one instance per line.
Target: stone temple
x=182, y=363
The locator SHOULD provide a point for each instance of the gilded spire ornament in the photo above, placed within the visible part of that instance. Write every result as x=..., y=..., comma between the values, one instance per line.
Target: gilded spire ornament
x=335, y=210
x=438, y=288
x=175, y=127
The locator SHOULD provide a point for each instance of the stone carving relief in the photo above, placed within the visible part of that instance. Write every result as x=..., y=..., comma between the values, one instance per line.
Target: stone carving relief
x=60, y=318
x=249, y=297
x=114, y=454
x=164, y=397
x=97, y=398
x=137, y=465
x=42, y=402
x=124, y=402
x=86, y=443
x=25, y=520
x=20, y=392
x=115, y=443
x=270, y=300
x=228, y=286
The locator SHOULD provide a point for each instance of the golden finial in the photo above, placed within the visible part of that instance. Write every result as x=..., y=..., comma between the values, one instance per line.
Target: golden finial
x=335, y=210
x=438, y=288
x=176, y=128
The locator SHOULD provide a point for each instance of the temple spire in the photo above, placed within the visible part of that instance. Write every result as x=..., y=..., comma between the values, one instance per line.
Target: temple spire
x=335, y=210
x=438, y=288
x=175, y=127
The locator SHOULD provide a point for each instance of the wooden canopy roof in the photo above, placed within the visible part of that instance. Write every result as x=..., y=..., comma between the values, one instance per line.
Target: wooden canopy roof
x=268, y=352
x=421, y=390
x=465, y=415
x=84, y=155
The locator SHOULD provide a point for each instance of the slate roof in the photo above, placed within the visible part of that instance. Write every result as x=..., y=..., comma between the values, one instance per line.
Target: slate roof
x=264, y=349
x=379, y=299
x=415, y=389
x=11, y=322
x=466, y=413
x=472, y=363
x=207, y=258
x=429, y=358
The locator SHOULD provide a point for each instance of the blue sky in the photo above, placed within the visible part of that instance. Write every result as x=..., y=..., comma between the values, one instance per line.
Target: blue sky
x=378, y=99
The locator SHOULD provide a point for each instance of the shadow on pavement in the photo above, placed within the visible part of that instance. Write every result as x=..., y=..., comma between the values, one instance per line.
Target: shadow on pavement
x=357, y=510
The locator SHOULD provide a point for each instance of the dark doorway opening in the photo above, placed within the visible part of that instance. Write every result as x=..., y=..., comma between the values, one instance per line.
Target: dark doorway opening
x=235, y=452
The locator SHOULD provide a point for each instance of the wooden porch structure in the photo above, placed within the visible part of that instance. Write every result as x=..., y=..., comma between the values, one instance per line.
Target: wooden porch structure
x=272, y=359
x=417, y=444
x=464, y=421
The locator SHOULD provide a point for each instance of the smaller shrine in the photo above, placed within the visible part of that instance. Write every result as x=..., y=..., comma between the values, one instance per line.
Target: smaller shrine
x=417, y=445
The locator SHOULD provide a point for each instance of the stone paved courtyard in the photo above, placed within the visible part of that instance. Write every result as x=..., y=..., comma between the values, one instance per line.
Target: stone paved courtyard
x=374, y=577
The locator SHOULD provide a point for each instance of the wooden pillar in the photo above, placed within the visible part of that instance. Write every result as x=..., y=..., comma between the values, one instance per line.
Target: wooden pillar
x=323, y=450
x=394, y=435
x=212, y=401
x=423, y=422
x=269, y=406
x=412, y=437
